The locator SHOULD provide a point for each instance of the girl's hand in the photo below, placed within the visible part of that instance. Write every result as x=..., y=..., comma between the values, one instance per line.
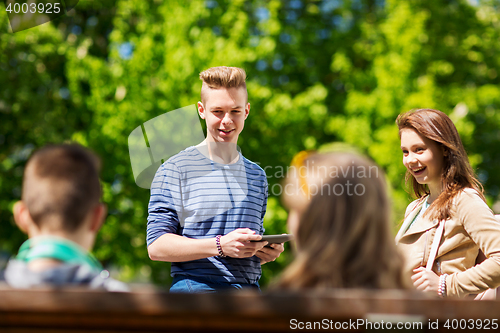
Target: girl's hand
x=267, y=254
x=425, y=280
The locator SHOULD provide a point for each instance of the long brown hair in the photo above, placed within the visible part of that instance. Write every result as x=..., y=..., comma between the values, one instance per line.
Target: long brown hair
x=344, y=237
x=457, y=172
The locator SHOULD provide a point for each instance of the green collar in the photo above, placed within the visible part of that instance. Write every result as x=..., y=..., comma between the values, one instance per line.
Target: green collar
x=57, y=248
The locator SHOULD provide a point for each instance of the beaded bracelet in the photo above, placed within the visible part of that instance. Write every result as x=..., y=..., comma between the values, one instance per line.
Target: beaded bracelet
x=219, y=247
x=442, y=285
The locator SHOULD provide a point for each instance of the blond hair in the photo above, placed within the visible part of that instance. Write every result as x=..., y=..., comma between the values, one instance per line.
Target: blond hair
x=343, y=240
x=222, y=77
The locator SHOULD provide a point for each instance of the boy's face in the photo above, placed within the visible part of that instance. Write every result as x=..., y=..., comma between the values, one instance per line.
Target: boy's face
x=224, y=111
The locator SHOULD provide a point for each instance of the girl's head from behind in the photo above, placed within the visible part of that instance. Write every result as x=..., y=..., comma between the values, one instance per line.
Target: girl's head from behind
x=436, y=128
x=340, y=216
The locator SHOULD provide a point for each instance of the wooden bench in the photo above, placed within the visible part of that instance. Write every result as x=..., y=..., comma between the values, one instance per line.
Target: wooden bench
x=46, y=311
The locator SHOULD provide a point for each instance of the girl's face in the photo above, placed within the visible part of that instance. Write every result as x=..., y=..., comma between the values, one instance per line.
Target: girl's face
x=296, y=203
x=293, y=221
x=423, y=158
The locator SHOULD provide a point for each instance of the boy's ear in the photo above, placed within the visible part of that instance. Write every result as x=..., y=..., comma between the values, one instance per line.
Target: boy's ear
x=247, y=110
x=98, y=217
x=22, y=217
x=201, y=110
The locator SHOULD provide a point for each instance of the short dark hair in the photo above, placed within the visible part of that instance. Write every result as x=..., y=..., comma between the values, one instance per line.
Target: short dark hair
x=61, y=182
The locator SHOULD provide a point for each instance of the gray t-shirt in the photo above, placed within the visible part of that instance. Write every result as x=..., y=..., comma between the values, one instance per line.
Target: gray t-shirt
x=18, y=275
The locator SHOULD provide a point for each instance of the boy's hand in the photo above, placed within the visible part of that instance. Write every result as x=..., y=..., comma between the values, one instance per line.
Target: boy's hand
x=237, y=243
x=267, y=254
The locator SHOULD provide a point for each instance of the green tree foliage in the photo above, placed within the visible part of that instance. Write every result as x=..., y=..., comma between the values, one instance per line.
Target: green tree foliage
x=318, y=72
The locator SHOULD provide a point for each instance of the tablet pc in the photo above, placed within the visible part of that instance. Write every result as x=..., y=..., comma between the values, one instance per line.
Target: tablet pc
x=274, y=239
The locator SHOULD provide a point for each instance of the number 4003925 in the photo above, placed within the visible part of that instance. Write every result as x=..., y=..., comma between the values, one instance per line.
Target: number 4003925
x=33, y=8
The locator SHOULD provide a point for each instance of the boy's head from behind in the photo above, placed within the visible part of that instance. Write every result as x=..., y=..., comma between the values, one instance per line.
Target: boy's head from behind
x=61, y=191
x=224, y=103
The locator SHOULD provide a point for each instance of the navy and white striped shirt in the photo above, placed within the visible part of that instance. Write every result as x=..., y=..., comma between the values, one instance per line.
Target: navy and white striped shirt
x=196, y=197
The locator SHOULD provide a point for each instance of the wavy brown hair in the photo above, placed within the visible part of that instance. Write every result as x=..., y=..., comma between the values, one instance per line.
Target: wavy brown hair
x=343, y=240
x=457, y=172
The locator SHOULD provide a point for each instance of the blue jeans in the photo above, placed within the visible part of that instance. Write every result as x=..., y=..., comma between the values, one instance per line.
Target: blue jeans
x=191, y=284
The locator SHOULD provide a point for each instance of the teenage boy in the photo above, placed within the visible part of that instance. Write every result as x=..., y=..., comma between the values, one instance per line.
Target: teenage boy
x=61, y=213
x=208, y=202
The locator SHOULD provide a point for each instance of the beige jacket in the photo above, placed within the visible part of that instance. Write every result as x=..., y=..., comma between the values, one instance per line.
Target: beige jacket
x=472, y=226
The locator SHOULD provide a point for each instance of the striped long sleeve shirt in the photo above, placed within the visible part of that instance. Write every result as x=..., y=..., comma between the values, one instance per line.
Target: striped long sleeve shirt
x=195, y=197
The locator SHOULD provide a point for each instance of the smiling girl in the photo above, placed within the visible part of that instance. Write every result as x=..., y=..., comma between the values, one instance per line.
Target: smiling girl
x=451, y=201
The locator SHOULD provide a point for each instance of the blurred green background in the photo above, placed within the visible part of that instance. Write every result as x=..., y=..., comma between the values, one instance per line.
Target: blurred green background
x=319, y=72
